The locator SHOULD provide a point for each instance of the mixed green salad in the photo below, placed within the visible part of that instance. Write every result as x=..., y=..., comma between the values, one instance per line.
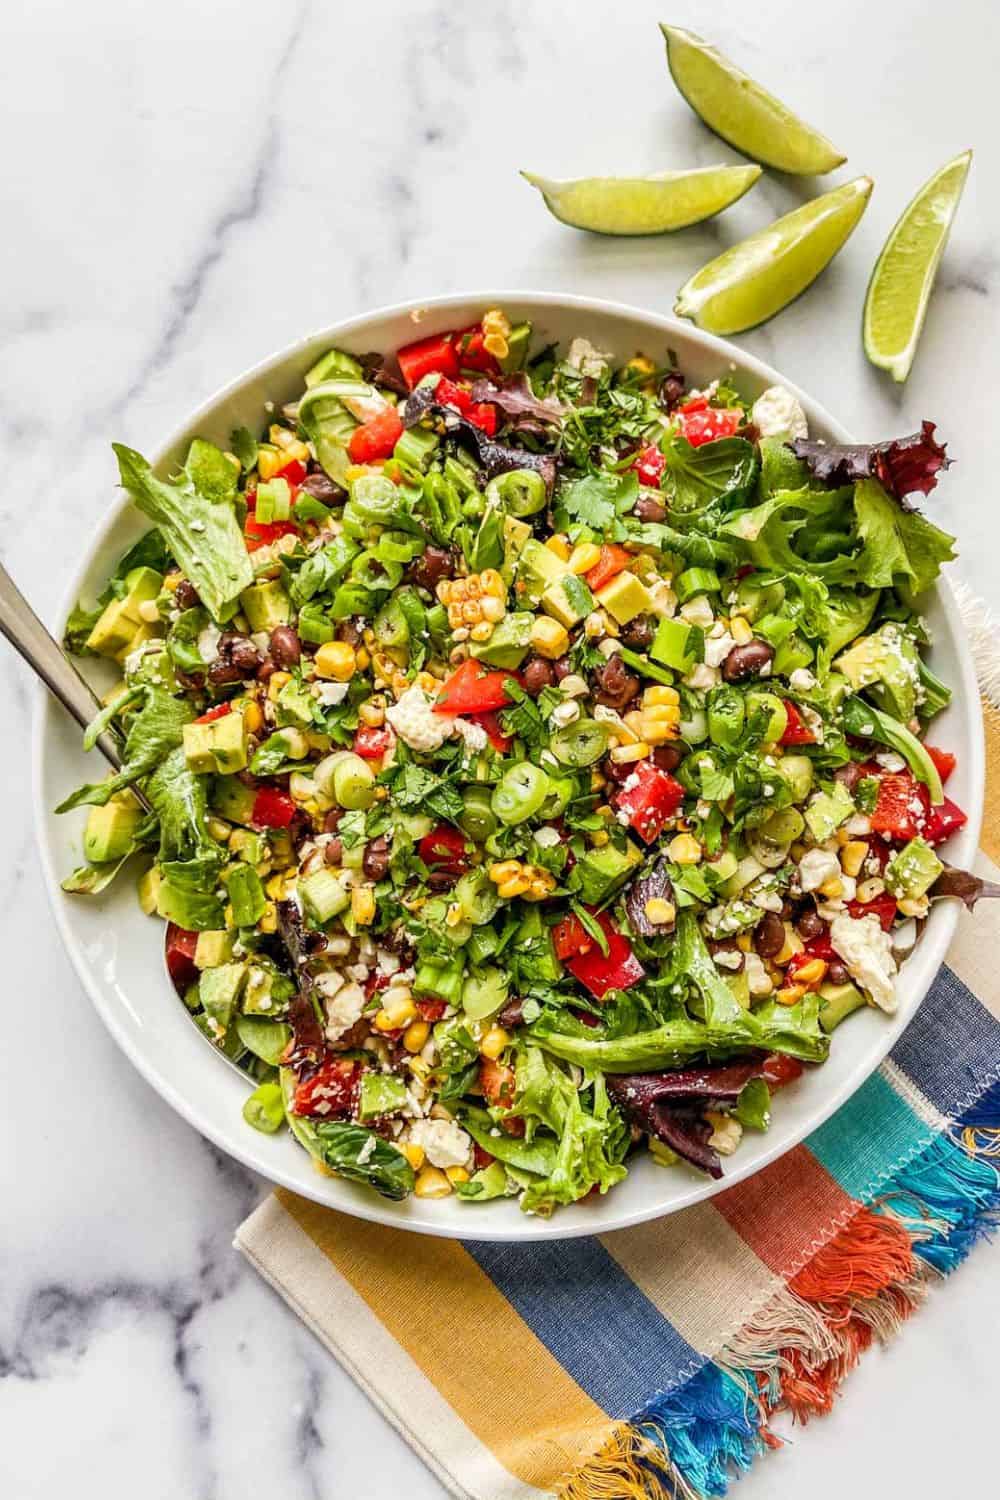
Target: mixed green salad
x=536, y=755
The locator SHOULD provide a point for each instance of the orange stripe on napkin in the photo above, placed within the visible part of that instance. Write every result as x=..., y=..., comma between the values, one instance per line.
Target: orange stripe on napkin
x=784, y=1209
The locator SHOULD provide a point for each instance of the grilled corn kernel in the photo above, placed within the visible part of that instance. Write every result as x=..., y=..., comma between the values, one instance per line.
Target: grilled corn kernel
x=415, y=1036
x=493, y=608
x=171, y=581
x=559, y=544
x=431, y=1183
x=496, y=332
x=454, y=915
x=253, y=717
x=455, y=1175
x=598, y=781
x=661, y=713
x=372, y=713
x=599, y=838
x=793, y=944
x=493, y=1043
x=482, y=631
x=584, y=557
x=852, y=856
x=684, y=849
x=624, y=755
x=833, y=888
x=394, y=1014
x=869, y=889
x=548, y=637
x=336, y=659
x=740, y=630
x=659, y=731
x=811, y=973
x=275, y=887
x=517, y=885
x=269, y=461
x=276, y=682
x=414, y=1154
x=744, y=943
x=504, y=869
x=790, y=994
x=914, y=906
x=660, y=912
x=657, y=697
x=363, y=904
x=269, y=918
x=220, y=831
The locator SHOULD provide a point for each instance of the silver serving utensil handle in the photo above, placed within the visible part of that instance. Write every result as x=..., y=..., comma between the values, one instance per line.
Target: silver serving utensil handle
x=46, y=658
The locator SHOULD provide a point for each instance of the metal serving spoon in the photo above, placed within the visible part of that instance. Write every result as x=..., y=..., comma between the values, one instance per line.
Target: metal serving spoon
x=46, y=658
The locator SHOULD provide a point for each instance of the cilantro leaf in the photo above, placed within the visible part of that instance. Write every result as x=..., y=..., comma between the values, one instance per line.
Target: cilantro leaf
x=597, y=500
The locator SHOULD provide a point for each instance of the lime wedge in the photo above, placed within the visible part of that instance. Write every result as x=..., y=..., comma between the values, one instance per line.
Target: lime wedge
x=644, y=205
x=903, y=278
x=743, y=113
x=751, y=281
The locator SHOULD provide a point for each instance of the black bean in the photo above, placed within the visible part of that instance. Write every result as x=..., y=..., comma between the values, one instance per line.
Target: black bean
x=668, y=757
x=332, y=820
x=537, y=674
x=837, y=972
x=321, y=487
x=266, y=669
x=333, y=852
x=747, y=661
x=672, y=388
x=350, y=631
x=769, y=935
x=614, y=685
x=286, y=648
x=512, y=1014
x=638, y=633
x=245, y=655
x=561, y=668
x=648, y=509
x=810, y=925
x=430, y=567
x=375, y=862
x=186, y=596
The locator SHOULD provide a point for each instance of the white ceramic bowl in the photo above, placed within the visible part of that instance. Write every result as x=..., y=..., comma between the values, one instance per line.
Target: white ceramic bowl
x=117, y=951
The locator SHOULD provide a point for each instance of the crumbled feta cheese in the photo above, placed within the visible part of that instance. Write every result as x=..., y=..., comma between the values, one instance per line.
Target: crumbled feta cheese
x=867, y=951
x=702, y=676
x=582, y=356
x=767, y=900
x=328, y=983
x=474, y=735
x=344, y=1010
x=858, y=826
x=547, y=838
x=717, y=648
x=365, y=407
x=208, y=643
x=727, y=1132
x=801, y=680
x=778, y=414
x=729, y=958
x=445, y=1144
x=816, y=867
x=890, y=761
x=758, y=979
x=386, y=962
x=366, y=1151
x=414, y=720
x=565, y=714
x=698, y=611
x=134, y=658
x=330, y=693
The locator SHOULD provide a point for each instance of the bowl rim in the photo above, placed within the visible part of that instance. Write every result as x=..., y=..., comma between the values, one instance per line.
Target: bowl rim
x=926, y=961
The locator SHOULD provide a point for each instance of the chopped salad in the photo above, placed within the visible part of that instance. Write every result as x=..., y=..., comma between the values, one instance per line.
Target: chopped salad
x=537, y=755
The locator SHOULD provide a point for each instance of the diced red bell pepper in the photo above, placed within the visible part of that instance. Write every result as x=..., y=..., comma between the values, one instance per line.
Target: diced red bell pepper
x=272, y=808
x=818, y=947
x=431, y=1010
x=496, y=1080
x=218, y=712
x=490, y=722
x=780, y=1069
x=901, y=807
x=444, y=849
x=612, y=561
x=701, y=423
x=944, y=761
x=571, y=939
x=883, y=907
x=651, y=801
x=375, y=440
x=649, y=466
x=481, y=1157
x=474, y=689
x=263, y=533
x=293, y=473
x=331, y=1092
x=942, y=821
x=616, y=970
x=797, y=731
x=431, y=356
x=472, y=353
x=480, y=413
x=371, y=743
x=179, y=949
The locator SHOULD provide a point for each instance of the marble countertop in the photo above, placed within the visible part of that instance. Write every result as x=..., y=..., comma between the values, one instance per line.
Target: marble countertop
x=187, y=187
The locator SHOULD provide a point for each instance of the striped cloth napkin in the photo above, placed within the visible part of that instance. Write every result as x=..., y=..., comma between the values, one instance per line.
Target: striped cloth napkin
x=647, y=1363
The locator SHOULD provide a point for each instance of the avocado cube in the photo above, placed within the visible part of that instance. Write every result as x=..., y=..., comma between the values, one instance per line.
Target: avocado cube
x=888, y=664
x=517, y=348
x=266, y=605
x=912, y=870
x=671, y=646
x=791, y=654
x=568, y=601
x=602, y=871
x=156, y=669
x=113, y=630
x=220, y=745
x=538, y=567
x=219, y=990
x=147, y=890
x=143, y=584
x=266, y=992
x=232, y=800
x=837, y=1002
x=827, y=810
x=111, y=829
x=508, y=645
x=213, y=949
x=624, y=597
x=143, y=632
x=515, y=534
x=381, y=1094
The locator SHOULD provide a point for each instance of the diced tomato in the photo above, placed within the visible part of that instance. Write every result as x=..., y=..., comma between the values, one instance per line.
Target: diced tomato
x=883, y=907
x=797, y=731
x=293, y=472
x=901, y=808
x=649, y=465
x=272, y=808
x=571, y=939
x=612, y=561
x=431, y=356
x=496, y=1080
x=701, y=423
x=263, y=533
x=376, y=439
x=444, y=849
x=616, y=970
x=942, y=821
x=490, y=721
x=649, y=803
x=483, y=414
x=218, y=712
x=944, y=761
x=481, y=1157
x=431, y=1010
x=474, y=689
x=331, y=1093
x=179, y=950
x=480, y=413
x=371, y=743
x=780, y=1069
x=472, y=353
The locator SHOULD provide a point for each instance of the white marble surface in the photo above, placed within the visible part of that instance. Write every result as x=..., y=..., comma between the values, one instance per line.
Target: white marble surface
x=185, y=187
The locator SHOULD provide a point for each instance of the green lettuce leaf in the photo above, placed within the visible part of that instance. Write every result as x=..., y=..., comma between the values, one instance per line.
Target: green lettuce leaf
x=153, y=732
x=899, y=546
x=694, y=478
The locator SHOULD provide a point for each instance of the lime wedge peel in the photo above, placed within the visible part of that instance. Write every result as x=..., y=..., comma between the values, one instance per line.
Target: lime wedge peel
x=904, y=274
x=751, y=281
x=741, y=112
x=654, y=204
